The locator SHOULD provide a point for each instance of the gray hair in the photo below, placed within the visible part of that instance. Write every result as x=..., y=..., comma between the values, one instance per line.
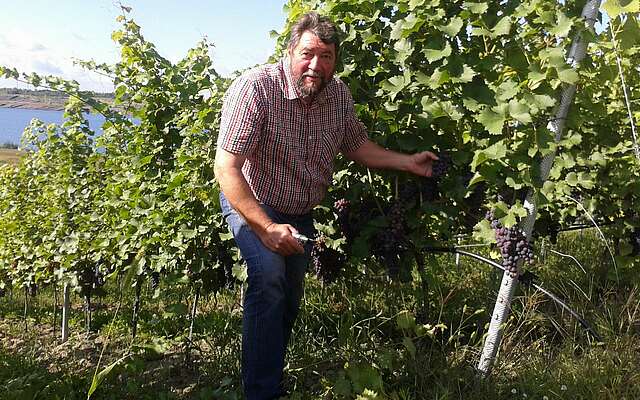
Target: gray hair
x=319, y=25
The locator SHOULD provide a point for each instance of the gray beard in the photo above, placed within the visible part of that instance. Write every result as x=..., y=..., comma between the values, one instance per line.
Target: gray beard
x=310, y=92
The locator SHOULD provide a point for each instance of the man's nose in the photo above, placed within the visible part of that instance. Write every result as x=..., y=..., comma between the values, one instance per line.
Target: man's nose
x=313, y=63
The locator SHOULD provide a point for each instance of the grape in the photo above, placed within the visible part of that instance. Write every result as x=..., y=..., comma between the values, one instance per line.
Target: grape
x=392, y=241
x=513, y=245
x=342, y=208
x=635, y=242
x=366, y=210
x=429, y=189
x=155, y=280
x=441, y=165
x=326, y=262
x=408, y=193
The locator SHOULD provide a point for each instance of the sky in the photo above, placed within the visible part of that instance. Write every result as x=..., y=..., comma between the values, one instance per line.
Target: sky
x=44, y=36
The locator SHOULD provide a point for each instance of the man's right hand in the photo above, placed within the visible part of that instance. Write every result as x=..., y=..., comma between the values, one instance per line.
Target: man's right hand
x=279, y=238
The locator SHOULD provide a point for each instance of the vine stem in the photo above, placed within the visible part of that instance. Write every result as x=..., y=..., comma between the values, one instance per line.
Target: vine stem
x=606, y=243
x=55, y=307
x=26, y=307
x=625, y=91
x=571, y=257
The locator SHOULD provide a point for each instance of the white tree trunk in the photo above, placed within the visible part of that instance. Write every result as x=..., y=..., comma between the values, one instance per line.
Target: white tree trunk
x=66, y=308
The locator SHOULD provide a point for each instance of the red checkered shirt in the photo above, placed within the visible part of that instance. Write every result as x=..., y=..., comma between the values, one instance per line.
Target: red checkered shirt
x=290, y=146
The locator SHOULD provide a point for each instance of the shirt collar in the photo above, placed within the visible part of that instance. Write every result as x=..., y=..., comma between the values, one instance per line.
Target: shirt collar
x=289, y=86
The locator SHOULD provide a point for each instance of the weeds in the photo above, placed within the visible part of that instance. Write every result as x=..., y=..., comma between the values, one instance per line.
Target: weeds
x=361, y=337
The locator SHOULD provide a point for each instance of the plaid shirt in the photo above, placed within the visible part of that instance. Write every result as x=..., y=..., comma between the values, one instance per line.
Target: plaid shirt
x=290, y=146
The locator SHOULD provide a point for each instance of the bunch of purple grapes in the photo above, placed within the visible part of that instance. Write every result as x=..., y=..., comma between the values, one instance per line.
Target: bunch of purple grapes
x=635, y=242
x=87, y=279
x=441, y=165
x=155, y=280
x=390, y=242
x=429, y=189
x=326, y=262
x=342, y=207
x=513, y=245
x=32, y=289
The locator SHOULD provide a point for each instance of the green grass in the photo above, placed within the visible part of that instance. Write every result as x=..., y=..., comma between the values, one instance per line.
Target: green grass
x=417, y=340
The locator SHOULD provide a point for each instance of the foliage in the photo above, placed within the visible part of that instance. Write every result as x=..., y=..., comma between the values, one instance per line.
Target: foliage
x=139, y=198
x=477, y=80
x=481, y=80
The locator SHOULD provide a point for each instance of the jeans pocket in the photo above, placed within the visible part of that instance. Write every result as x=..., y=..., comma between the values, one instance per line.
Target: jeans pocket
x=235, y=221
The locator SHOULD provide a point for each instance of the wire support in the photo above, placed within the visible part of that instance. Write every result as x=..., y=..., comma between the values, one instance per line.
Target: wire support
x=528, y=279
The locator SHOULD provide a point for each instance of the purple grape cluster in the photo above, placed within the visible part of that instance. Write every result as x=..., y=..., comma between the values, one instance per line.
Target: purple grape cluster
x=155, y=280
x=342, y=207
x=635, y=242
x=441, y=165
x=429, y=189
x=390, y=242
x=326, y=262
x=513, y=245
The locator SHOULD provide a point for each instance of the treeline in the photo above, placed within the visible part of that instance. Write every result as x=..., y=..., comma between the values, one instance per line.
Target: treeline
x=8, y=145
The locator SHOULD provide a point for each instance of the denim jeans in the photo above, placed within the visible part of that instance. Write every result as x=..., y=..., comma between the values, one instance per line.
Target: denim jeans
x=275, y=286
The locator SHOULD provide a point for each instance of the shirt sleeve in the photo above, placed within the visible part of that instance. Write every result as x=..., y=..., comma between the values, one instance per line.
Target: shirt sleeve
x=242, y=117
x=355, y=133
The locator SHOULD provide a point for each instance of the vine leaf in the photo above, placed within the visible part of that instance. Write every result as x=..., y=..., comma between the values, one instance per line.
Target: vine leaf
x=491, y=120
x=563, y=25
x=614, y=8
x=519, y=111
x=437, y=54
x=494, y=152
x=453, y=27
x=476, y=8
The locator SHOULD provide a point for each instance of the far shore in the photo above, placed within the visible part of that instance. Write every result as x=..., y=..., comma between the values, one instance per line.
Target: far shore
x=30, y=105
x=40, y=99
x=10, y=156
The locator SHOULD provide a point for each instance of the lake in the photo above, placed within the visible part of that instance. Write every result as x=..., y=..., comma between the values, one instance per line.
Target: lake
x=14, y=120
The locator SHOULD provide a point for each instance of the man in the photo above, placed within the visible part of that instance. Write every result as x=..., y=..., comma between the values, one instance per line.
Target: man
x=282, y=125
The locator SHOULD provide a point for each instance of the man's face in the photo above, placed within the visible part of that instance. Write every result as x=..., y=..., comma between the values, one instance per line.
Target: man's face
x=312, y=64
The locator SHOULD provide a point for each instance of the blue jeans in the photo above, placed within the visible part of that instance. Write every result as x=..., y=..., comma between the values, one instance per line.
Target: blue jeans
x=275, y=285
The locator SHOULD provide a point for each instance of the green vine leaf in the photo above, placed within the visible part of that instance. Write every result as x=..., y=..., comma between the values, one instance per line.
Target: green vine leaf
x=491, y=120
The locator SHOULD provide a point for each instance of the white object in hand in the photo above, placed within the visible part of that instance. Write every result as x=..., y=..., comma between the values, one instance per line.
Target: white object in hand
x=301, y=237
